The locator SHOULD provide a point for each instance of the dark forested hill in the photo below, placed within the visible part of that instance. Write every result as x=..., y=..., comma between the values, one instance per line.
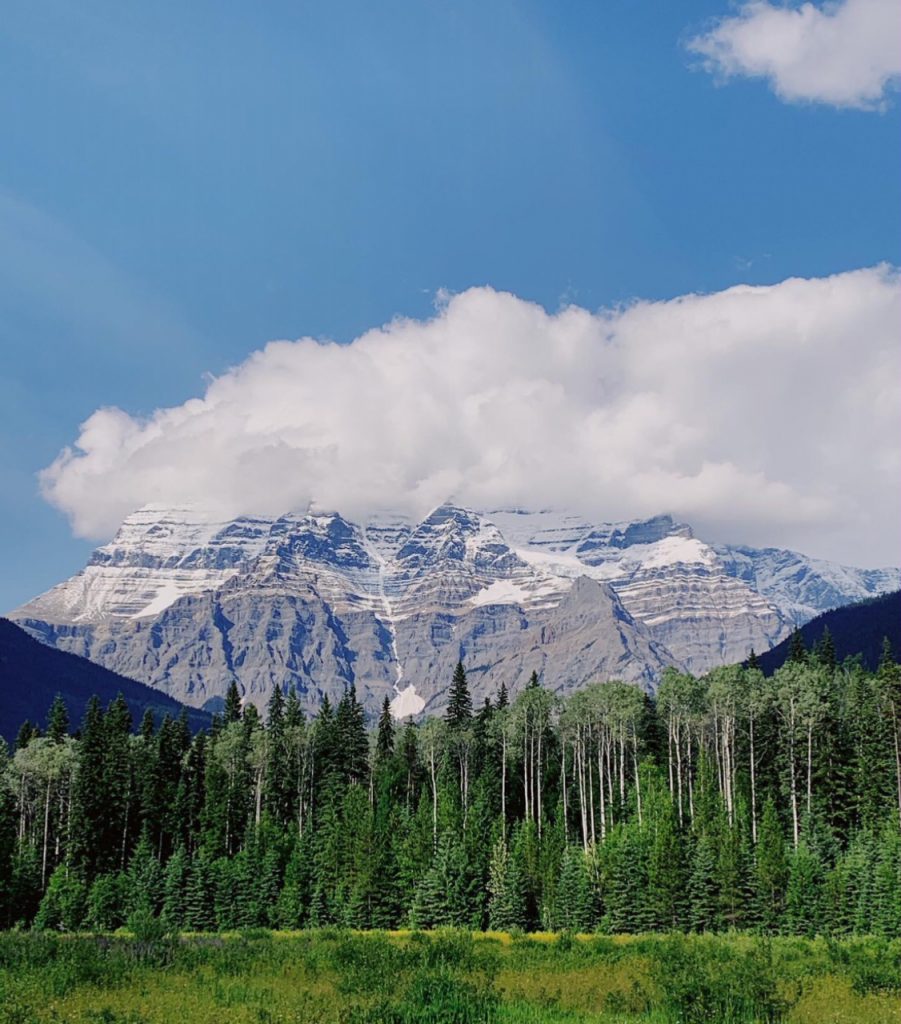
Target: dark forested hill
x=855, y=629
x=32, y=674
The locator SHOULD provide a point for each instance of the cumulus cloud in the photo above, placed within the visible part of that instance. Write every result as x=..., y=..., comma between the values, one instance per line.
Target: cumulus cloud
x=847, y=54
x=760, y=414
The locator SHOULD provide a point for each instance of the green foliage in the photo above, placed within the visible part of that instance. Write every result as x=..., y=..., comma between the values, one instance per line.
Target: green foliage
x=65, y=903
x=729, y=802
x=702, y=981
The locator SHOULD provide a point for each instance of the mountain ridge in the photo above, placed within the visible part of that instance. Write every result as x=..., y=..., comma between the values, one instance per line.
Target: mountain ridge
x=188, y=602
x=31, y=674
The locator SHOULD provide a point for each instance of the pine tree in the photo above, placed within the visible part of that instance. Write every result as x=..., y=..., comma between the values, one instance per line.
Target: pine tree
x=27, y=732
x=176, y=880
x=770, y=870
x=802, y=894
x=294, y=896
x=58, y=720
x=459, y=702
x=573, y=904
x=824, y=651
x=506, y=903
x=199, y=896
x=384, y=743
x=278, y=792
x=144, y=879
x=106, y=902
x=65, y=903
x=350, y=733
x=118, y=778
x=89, y=850
x=702, y=888
x=232, y=710
x=797, y=652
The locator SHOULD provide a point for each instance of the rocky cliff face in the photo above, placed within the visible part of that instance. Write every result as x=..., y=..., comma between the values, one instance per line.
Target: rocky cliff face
x=188, y=604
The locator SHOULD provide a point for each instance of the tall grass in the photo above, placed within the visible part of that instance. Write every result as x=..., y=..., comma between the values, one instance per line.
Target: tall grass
x=446, y=977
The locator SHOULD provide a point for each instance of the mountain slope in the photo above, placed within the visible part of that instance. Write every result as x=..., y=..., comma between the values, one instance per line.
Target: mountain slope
x=855, y=629
x=31, y=674
x=188, y=603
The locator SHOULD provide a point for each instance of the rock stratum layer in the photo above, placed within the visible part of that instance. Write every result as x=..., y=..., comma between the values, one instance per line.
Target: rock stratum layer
x=189, y=604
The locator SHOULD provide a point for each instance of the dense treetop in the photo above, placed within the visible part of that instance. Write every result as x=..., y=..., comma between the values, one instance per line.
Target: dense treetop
x=730, y=801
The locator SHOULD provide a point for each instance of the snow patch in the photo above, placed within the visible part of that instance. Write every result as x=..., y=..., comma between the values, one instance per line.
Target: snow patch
x=168, y=594
x=501, y=592
x=407, y=702
x=676, y=550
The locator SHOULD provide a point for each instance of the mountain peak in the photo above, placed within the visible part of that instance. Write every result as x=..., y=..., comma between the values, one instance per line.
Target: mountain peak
x=187, y=601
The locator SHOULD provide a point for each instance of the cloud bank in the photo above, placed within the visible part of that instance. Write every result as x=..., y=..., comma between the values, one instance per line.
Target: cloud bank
x=769, y=415
x=847, y=54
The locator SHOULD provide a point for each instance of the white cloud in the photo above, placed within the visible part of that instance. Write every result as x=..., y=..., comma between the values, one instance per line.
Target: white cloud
x=760, y=414
x=847, y=54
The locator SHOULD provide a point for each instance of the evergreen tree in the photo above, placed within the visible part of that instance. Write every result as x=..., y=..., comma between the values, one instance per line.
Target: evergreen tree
x=384, y=742
x=199, y=895
x=106, y=902
x=802, y=902
x=278, y=795
x=58, y=720
x=770, y=870
x=352, y=751
x=176, y=881
x=27, y=732
x=573, y=904
x=797, y=652
x=702, y=887
x=459, y=702
x=64, y=905
x=824, y=651
x=232, y=710
x=89, y=841
x=144, y=880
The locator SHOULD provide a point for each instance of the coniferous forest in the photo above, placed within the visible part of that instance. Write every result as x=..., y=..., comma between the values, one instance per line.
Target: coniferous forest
x=733, y=801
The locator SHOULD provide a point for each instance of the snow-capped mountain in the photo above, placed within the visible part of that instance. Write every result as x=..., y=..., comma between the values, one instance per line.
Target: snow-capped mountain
x=188, y=603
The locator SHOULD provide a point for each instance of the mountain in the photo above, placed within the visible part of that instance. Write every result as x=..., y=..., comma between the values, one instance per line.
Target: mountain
x=187, y=602
x=855, y=629
x=31, y=674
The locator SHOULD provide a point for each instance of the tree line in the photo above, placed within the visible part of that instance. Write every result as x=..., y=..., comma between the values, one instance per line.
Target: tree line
x=732, y=801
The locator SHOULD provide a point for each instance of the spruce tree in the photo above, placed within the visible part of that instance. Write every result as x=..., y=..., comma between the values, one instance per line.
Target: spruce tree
x=797, y=652
x=459, y=702
x=232, y=709
x=506, y=899
x=58, y=720
x=106, y=902
x=824, y=651
x=702, y=887
x=802, y=894
x=278, y=795
x=770, y=869
x=199, y=895
x=384, y=742
x=144, y=879
x=89, y=848
x=176, y=879
x=573, y=903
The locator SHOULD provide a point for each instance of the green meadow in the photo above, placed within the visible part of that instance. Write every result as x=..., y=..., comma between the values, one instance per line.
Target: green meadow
x=444, y=977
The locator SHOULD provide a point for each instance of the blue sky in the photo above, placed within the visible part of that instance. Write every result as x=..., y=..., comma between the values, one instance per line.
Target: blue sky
x=179, y=184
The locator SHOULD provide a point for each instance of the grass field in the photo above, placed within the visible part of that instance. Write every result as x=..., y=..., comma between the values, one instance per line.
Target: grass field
x=445, y=978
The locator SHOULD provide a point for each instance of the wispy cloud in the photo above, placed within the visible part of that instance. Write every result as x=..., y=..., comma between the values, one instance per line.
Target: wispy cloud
x=846, y=53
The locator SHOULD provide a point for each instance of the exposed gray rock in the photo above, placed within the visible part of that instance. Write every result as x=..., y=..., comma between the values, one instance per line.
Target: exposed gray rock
x=189, y=604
